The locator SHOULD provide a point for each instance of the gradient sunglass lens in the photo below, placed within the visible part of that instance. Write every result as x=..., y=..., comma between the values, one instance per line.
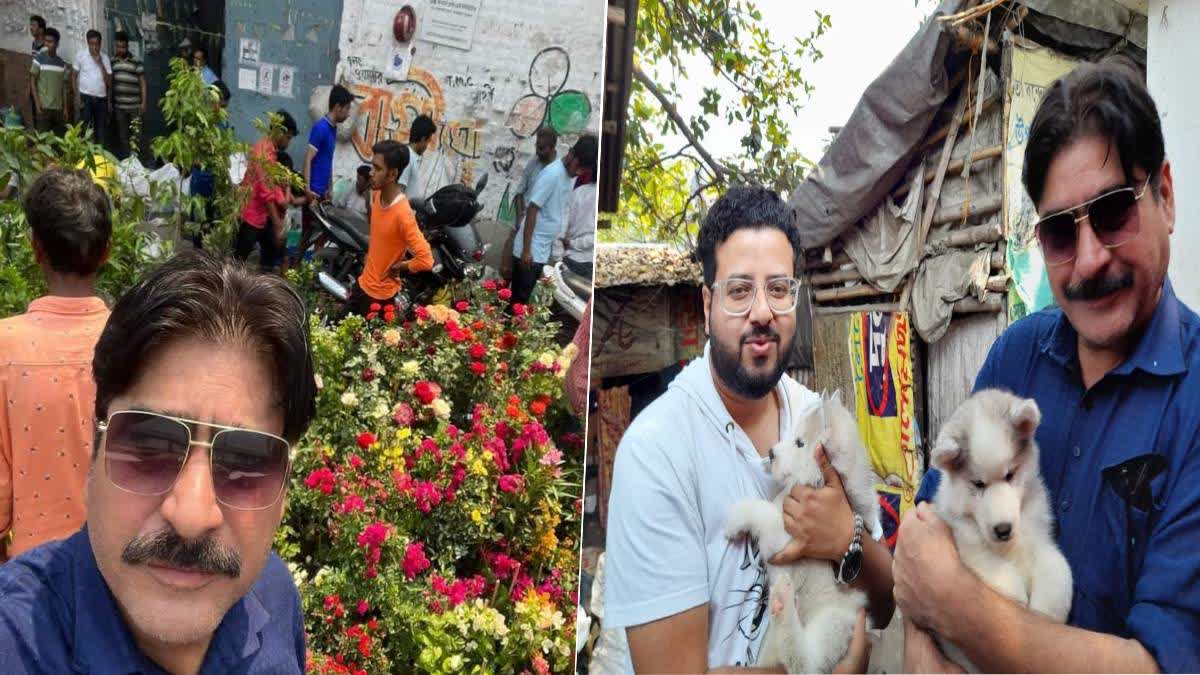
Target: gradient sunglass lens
x=249, y=468
x=144, y=452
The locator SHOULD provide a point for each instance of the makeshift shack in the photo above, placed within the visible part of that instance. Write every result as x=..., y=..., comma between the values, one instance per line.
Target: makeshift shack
x=918, y=234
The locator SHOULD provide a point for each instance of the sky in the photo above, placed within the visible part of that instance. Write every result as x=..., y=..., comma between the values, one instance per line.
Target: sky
x=865, y=37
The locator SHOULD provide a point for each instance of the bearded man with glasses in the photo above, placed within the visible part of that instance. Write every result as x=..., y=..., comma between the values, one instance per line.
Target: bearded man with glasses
x=1116, y=367
x=204, y=382
x=690, y=599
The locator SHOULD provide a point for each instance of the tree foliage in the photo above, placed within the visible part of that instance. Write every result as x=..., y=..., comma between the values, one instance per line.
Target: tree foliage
x=752, y=82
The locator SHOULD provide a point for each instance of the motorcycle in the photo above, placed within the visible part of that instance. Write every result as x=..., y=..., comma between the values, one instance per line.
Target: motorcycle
x=571, y=291
x=446, y=220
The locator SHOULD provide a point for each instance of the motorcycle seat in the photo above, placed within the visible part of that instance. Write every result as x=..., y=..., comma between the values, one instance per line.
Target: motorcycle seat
x=579, y=285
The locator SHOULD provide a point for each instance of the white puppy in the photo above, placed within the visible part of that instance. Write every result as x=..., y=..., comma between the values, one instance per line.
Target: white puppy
x=992, y=497
x=812, y=616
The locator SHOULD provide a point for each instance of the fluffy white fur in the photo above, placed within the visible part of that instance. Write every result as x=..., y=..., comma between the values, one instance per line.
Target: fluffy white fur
x=992, y=497
x=812, y=616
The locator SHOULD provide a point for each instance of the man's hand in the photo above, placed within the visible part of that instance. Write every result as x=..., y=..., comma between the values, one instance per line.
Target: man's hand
x=858, y=656
x=922, y=655
x=527, y=259
x=819, y=520
x=312, y=196
x=927, y=572
x=398, y=270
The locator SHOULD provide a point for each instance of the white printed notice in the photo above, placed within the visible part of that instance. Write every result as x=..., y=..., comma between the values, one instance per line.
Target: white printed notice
x=266, y=78
x=287, y=75
x=247, y=78
x=451, y=22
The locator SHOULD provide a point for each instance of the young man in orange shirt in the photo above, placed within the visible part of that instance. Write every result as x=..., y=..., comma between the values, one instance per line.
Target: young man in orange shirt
x=46, y=388
x=394, y=234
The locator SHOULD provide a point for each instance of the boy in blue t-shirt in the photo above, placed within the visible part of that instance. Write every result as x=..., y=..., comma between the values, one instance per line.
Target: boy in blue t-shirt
x=322, y=140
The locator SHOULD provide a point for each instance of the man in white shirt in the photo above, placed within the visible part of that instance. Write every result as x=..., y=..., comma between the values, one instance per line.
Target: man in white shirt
x=93, y=81
x=579, y=236
x=428, y=171
x=690, y=600
x=358, y=198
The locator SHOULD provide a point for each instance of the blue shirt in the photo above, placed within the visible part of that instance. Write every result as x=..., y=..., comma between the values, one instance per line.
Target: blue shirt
x=323, y=139
x=551, y=193
x=58, y=616
x=209, y=77
x=1136, y=564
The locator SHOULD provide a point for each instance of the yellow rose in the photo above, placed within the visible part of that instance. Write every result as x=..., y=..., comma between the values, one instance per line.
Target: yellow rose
x=391, y=337
x=476, y=516
x=404, y=433
x=411, y=367
x=546, y=359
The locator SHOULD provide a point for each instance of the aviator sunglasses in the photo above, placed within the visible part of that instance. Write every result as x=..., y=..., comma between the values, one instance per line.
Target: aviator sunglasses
x=1111, y=216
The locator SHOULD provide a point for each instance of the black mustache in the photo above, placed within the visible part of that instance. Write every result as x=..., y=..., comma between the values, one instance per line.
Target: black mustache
x=760, y=332
x=168, y=548
x=1098, y=287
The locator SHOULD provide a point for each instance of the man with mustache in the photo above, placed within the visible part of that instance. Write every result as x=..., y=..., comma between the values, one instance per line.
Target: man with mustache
x=204, y=380
x=689, y=599
x=1116, y=371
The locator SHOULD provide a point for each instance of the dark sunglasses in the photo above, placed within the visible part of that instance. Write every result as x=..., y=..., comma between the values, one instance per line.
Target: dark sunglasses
x=144, y=453
x=1110, y=215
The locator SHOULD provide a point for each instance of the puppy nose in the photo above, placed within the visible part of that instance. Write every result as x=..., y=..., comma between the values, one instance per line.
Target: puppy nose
x=771, y=454
x=1003, y=531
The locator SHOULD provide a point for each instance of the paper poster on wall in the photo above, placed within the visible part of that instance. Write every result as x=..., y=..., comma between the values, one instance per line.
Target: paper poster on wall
x=287, y=74
x=247, y=78
x=397, y=67
x=266, y=78
x=450, y=22
x=248, y=50
x=1033, y=70
x=881, y=368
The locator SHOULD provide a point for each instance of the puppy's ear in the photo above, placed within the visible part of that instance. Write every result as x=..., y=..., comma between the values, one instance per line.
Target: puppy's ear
x=948, y=454
x=837, y=397
x=1025, y=417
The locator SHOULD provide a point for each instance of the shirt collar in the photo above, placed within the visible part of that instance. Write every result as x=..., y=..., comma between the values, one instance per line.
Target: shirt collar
x=1158, y=352
x=102, y=640
x=54, y=304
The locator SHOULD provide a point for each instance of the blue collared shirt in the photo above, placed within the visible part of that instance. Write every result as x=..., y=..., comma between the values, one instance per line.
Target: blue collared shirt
x=58, y=616
x=1136, y=564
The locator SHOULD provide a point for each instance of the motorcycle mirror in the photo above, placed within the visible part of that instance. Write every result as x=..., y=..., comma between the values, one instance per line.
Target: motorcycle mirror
x=481, y=185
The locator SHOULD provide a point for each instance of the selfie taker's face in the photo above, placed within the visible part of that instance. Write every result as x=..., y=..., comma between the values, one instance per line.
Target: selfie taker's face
x=201, y=381
x=1108, y=293
x=748, y=352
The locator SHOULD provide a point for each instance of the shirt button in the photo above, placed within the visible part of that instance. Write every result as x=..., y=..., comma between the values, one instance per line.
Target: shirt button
x=1075, y=451
x=1065, y=505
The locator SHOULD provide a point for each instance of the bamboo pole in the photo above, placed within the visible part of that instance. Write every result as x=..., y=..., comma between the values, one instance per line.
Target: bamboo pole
x=955, y=167
x=941, y=134
x=970, y=236
x=835, y=277
x=873, y=307
x=992, y=304
x=863, y=290
x=998, y=284
x=954, y=213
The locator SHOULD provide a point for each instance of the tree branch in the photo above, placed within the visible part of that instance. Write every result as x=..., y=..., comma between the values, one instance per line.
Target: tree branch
x=680, y=124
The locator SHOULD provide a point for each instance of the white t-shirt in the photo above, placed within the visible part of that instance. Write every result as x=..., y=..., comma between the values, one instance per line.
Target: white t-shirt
x=425, y=174
x=680, y=468
x=91, y=77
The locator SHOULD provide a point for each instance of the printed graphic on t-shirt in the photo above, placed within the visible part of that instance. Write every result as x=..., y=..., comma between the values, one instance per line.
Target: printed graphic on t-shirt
x=750, y=602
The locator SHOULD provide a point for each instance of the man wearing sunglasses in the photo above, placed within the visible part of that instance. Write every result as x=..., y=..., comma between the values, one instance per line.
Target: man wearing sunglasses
x=204, y=380
x=688, y=598
x=1116, y=368
x=46, y=390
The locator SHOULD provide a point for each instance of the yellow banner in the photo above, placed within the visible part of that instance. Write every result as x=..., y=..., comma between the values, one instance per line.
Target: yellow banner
x=881, y=363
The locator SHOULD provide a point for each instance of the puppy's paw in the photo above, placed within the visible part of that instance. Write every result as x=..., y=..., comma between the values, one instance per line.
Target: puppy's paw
x=740, y=521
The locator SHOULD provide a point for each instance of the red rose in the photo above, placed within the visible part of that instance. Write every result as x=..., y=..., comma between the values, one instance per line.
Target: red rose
x=462, y=305
x=508, y=341
x=372, y=316
x=489, y=284
x=505, y=294
x=478, y=351
x=479, y=325
x=368, y=374
x=518, y=309
x=422, y=313
x=538, y=408
x=426, y=392
x=375, y=306
x=478, y=368
x=458, y=336
x=366, y=439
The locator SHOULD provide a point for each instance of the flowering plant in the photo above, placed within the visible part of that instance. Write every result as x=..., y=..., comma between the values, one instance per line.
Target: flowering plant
x=433, y=519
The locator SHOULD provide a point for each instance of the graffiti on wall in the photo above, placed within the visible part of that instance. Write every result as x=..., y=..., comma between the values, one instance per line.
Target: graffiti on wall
x=386, y=112
x=549, y=103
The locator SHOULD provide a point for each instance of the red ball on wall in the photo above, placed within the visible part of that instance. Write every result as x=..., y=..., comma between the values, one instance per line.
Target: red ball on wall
x=404, y=24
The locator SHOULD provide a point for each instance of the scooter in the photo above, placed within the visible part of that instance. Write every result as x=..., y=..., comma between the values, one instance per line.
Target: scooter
x=446, y=219
x=571, y=291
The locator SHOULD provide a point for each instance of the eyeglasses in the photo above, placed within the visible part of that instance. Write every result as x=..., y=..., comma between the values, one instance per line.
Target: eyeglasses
x=739, y=295
x=145, y=452
x=1110, y=215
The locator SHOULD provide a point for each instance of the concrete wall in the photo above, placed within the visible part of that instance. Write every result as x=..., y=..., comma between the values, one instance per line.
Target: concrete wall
x=298, y=34
x=529, y=64
x=1174, y=51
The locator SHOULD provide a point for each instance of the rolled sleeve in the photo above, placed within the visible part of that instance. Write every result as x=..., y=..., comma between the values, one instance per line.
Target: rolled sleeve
x=656, y=564
x=1165, y=615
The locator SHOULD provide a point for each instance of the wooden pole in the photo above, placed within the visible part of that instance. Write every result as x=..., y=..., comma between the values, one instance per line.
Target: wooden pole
x=955, y=167
x=863, y=290
x=944, y=131
x=875, y=307
x=992, y=304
